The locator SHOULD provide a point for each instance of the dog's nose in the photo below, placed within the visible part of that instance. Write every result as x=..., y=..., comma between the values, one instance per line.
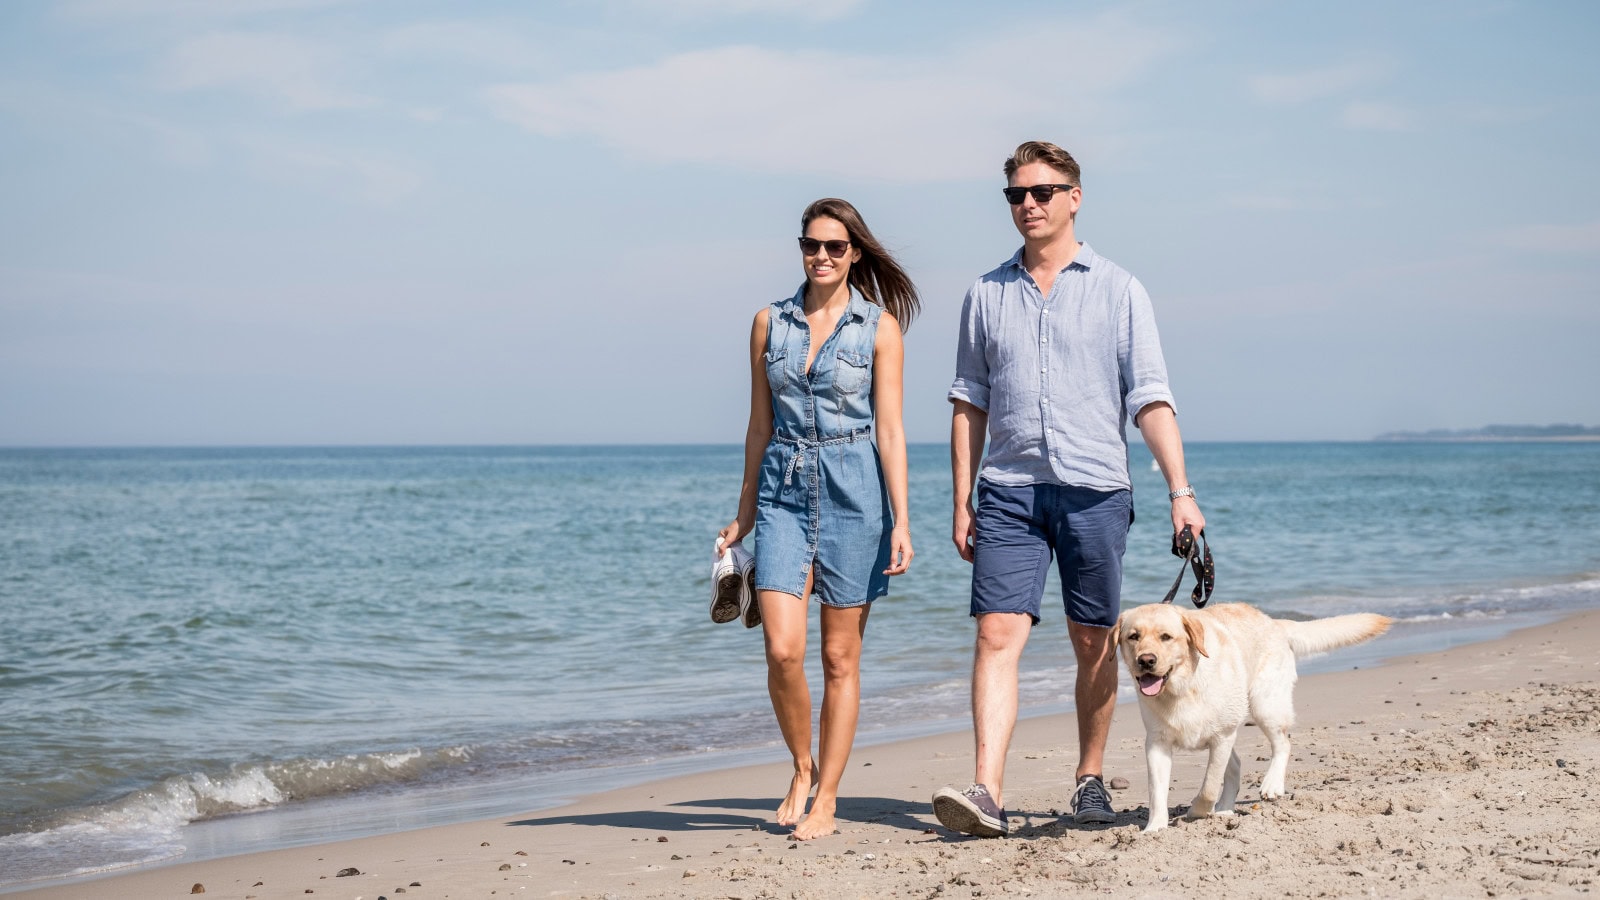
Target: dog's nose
x=1147, y=661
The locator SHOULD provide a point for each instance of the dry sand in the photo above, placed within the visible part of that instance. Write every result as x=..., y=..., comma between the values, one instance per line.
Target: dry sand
x=1466, y=773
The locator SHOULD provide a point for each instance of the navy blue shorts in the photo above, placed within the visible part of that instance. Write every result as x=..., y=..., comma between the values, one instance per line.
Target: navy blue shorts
x=1020, y=527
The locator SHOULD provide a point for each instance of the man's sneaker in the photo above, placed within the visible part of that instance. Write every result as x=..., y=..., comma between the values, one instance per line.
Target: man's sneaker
x=971, y=811
x=1091, y=805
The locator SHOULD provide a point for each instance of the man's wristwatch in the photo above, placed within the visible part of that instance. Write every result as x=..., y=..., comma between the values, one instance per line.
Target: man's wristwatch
x=1181, y=492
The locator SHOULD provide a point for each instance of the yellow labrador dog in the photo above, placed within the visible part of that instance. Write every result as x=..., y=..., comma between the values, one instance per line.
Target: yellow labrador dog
x=1202, y=672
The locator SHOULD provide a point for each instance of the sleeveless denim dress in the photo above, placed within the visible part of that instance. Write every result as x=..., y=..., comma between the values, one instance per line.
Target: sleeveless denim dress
x=821, y=503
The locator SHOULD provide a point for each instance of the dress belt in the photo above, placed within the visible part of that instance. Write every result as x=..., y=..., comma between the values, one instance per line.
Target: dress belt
x=798, y=461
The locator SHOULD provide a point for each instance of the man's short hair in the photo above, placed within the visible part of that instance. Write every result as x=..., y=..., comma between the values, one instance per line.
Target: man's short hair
x=1047, y=153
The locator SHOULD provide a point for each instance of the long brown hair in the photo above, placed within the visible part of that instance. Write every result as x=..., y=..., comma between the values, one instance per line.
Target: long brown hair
x=877, y=276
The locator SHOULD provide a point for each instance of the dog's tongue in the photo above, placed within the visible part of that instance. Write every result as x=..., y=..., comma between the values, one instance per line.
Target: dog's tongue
x=1151, y=685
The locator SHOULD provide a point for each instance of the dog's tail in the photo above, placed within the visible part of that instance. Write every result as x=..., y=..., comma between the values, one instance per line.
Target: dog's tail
x=1322, y=635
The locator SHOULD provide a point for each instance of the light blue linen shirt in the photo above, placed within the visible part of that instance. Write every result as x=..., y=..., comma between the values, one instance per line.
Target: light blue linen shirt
x=1060, y=375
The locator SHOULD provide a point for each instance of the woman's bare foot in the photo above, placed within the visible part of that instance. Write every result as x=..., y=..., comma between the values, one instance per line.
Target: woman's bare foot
x=819, y=824
x=794, y=805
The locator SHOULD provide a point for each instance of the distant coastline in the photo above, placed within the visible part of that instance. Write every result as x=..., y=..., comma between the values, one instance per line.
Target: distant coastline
x=1499, y=433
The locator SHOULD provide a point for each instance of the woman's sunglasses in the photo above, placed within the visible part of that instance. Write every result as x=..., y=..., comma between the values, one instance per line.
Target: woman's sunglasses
x=1041, y=193
x=836, y=249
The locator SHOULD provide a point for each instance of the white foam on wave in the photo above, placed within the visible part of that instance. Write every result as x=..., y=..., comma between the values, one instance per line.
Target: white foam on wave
x=146, y=825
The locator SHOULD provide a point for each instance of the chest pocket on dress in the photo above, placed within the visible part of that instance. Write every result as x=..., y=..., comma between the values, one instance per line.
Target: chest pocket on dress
x=777, y=368
x=851, y=371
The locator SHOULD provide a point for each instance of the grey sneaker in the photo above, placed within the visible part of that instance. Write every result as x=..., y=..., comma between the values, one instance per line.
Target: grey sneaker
x=971, y=811
x=1091, y=805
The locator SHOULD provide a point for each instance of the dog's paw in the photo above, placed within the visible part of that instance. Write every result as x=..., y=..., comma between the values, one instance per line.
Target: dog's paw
x=1155, y=825
x=1276, y=792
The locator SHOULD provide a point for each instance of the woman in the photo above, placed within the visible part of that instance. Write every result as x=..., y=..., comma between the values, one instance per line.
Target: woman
x=828, y=507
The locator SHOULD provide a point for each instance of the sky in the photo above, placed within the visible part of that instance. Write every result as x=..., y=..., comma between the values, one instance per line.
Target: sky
x=243, y=222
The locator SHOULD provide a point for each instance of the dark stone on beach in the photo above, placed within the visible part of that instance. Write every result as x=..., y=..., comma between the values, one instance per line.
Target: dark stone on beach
x=1561, y=764
x=662, y=839
x=198, y=888
x=346, y=873
x=484, y=844
x=570, y=862
x=505, y=867
x=1118, y=784
x=416, y=884
x=521, y=853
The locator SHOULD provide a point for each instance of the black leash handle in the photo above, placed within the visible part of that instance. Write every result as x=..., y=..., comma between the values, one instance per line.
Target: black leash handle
x=1189, y=550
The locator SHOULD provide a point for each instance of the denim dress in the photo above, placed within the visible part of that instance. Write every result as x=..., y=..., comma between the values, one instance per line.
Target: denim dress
x=821, y=504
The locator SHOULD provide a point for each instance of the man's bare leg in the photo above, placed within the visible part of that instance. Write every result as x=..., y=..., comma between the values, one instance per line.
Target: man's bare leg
x=1095, y=693
x=1001, y=637
x=783, y=620
x=841, y=705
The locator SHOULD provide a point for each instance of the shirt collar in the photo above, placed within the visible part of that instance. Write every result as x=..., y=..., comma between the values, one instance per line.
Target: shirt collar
x=1086, y=257
x=795, y=307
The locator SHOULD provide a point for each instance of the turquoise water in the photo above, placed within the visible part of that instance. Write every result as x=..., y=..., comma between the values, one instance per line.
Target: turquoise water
x=312, y=635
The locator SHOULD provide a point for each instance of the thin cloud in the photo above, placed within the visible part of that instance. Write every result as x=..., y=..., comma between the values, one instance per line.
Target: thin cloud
x=47, y=106
x=380, y=179
x=1583, y=238
x=929, y=118
x=119, y=10
x=482, y=45
x=814, y=10
x=288, y=71
x=1317, y=84
x=1372, y=116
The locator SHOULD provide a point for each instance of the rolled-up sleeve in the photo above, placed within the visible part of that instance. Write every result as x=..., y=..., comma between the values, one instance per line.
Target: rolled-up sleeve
x=972, y=364
x=1143, y=368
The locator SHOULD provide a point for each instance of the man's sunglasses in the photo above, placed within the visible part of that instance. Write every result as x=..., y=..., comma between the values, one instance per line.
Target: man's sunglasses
x=836, y=249
x=1041, y=193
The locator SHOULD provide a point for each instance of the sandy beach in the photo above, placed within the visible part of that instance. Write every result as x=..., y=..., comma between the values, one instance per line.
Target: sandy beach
x=1464, y=773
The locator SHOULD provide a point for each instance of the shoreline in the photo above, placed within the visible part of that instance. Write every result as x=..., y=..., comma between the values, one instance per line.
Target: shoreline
x=1372, y=743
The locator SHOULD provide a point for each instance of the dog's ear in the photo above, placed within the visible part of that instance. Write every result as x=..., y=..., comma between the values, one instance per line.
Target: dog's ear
x=1116, y=630
x=1196, y=630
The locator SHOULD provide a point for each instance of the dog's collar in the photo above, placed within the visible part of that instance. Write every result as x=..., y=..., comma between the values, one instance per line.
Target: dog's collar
x=1205, y=574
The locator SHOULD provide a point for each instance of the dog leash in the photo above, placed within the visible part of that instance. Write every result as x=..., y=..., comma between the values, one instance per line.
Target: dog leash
x=1205, y=574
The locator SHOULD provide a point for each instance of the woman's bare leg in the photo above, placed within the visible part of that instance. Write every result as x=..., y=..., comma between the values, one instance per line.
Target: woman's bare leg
x=783, y=620
x=841, y=704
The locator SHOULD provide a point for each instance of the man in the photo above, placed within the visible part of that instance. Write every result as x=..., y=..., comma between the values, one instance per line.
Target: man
x=1058, y=348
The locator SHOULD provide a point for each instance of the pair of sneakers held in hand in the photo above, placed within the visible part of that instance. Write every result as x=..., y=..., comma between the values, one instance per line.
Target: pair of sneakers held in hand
x=733, y=585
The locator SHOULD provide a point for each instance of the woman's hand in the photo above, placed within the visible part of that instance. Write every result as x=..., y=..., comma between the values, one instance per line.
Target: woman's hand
x=900, y=552
x=732, y=533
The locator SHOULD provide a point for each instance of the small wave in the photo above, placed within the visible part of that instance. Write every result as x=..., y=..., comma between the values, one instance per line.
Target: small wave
x=145, y=826
x=1454, y=603
x=1457, y=616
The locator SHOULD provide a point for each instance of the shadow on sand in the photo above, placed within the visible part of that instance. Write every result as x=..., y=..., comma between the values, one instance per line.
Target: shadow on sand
x=721, y=815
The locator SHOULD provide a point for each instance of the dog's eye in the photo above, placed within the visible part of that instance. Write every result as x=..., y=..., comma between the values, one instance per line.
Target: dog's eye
x=1166, y=637
x=1133, y=635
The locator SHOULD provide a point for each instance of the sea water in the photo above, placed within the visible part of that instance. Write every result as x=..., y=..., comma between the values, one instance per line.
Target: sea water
x=206, y=651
